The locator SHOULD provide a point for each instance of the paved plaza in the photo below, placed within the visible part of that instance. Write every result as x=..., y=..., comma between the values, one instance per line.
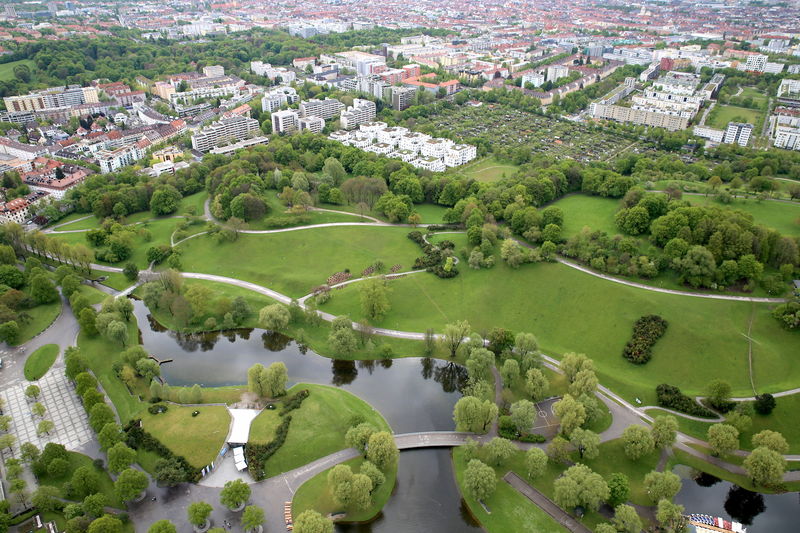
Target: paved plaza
x=63, y=408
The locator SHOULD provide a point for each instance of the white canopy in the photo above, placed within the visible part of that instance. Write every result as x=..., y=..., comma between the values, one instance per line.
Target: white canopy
x=240, y=426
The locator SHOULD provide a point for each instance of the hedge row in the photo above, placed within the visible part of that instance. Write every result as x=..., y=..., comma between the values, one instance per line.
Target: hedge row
x=671, y=397
x=257, y=454
x=136, y=437
x=646, y=332
x=434, y=258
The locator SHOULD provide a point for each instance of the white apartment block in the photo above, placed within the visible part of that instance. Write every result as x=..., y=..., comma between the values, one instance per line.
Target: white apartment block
x=773, y=68
x=434, y=164
x=380, y=148
x=312, y=124
x=265, y=69
x=639, y=116
x=391, y=135
x=111, y=160
x=213, y=71
x=372, y=128
x=436, y=147
x=712, y=134
x=738, y=133
x=361, y=112
x=755, y=62
x=276, y=98
x=285, y=121
x=787, y=137
x=413, y=141
x=460, y=154
x=235, y=128
x=556, y=72
x=327, y=108
x=534, y=78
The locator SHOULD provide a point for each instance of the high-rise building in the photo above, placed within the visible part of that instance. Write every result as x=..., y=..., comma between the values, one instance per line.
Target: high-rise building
x=755, y=63
x=361, y=112
x=213, y=71
x=312, y=124
x=556, y=72
x=534, y=78
x=327, y=108
x=402, y=97
x=235, y=128
x=285, y=121
x=738, y=133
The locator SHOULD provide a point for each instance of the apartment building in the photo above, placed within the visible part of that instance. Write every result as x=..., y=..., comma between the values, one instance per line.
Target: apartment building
x=313, y=124
x=402, y=97
x=738, y=133
x=639, y=116
x=115, y=159
x=460, y=154
x=327, y=108
x=555, y=72
x=787, y=137
x=534, y=78
x=18, y=209
x=276, y=98
x=213, y=71
x=20, y=150
x=361, y=112
x=265, y=69
x=52, y=98
x=235, y=128
x=286, y=121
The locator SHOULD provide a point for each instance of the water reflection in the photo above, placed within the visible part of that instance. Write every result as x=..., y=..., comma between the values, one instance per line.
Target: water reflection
x=775, y=513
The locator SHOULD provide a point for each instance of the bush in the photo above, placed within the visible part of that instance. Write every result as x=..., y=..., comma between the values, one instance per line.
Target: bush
x=257, y=454
x=764, y=404
x=646, y=331
x=136, y=437
x=671, y=397
x=294, y=401
x=157, y=409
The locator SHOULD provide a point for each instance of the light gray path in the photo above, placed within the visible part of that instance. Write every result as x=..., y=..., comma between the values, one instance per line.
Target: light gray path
x=547, y=505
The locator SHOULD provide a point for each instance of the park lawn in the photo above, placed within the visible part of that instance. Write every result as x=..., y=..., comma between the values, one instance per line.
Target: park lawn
x=41, y=317
x=581, y=210
x=319, y=425
x=115, y=280
x=722, y=114
x=612, y=459
x=781, y=216
x=755, y=94
x=101, y=354
x=7, y=69
x=430, y=213
x=262, y=429
x=489, y=169
x=571, y=311
x=681, y=457
x=39, y=362
x=77, y=460
x=293, y=262
x=316, y=494
x=92, y=294
x=197, y=438
x=510, y=510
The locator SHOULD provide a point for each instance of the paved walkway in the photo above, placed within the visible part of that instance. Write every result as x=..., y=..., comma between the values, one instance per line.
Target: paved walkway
x=547, y=505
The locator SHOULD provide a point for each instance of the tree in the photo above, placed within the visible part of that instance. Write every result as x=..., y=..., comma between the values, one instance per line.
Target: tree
x=765, y=466
x=374, y=294
x=664, y=431
x=523, y=415
x=198, y=513
x=165, y=200
x=252, y=518
x=772, y=440
x=46, y=499
x=162, y=526
x=719, y=393
x=87, y=319
x=764, y=404
x=37, y=409
x=382, y=450
x=120, y=457
x=29, y=452
x=274, y=317
x=509, y=372
x=558, y=450
x=473, y=414
x=536, y=384
x=312, y=522
x=273, y=380
x=722, y=438
x=254, y=384
x=579, y=485
x=45, y=427
x=85, y=481
x=605, y=528
x=479, y=480
x=671, y=517
x=535, y=462
x=572, y=363
x=343, y=341
x=100, y=415
x=453, y=336
x=619, y=489
x=234, y=494
x=637, y=442
x=480, y=364
x=571, y=414
x=584, y=382
x=9, y=332
x=130, y=484
x=117, y=331
x=697, y=267
x=43, y=291
x=358, y=436
x=110, y=435
x=94, y=504
x=500, y=450
x=626, y=519
x=105, y=524
x=586, y=442
x=361, y=491
x=662, y=485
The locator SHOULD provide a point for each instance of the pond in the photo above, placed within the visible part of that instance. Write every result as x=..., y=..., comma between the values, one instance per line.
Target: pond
x=413, y=394
x=706, y=494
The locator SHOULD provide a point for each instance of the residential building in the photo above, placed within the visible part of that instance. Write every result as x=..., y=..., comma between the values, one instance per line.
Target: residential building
x=52, y=98
x=285, y=121
x=20, y=150
x=402, y=97
x=361, y=112
x=789, y=92
x=555, y=72
x=276, y=98
x=361, y=62
x=712, y=134
x=213, y=71
x=460, y=154
x=534, y=78
x=327, y=108
x=18, y=209
x=313, y=124
x=738, y=133
x=234, y=128
x=44, y=177
x=112, y=160
x=233, y=147
x=755, y=63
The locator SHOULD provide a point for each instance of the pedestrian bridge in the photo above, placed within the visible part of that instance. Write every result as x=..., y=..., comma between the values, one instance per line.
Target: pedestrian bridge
x=434, y=439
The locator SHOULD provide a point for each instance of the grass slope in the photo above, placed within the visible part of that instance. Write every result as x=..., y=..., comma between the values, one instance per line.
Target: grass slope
x=77, y=460
x=197, y=438
x=7, y=69
x=781, y=216
x=39, y=362
x=593, y=211
x=41, y=318
x=489, y=169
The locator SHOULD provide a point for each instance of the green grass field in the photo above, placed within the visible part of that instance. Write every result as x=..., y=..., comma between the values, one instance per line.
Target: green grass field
x=41, y=318
x=593, y=211
x=39, y=362
x=92, y=294
x=316, y=494
x=294, y=262
x=317, y=427
x=197, y=438
x=489, y=169
x=572, y=311
x=722, y=114
x=510, y=510
x=7, y=69
x=77, y=460
x=781, y=216
x=430, y=213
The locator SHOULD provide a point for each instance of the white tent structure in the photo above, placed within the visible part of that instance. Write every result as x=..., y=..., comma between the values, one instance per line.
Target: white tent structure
x=240, y=427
